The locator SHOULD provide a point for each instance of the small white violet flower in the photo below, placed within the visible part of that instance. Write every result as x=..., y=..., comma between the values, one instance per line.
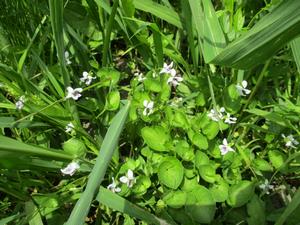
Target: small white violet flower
x=216, y=115
x=168, y=69
x=113, y=186
x=129, y=179
x=73, y=93
x=266, y=186
x=67, y=58
x=225, y=148
x=241, y=88
x=86, y=78
x=69, y=128
x=230, y=119
x=70, y=169
x=20, y=103
x=290, y=141
x=148, y=107
x=174, y=80
x=140, y=77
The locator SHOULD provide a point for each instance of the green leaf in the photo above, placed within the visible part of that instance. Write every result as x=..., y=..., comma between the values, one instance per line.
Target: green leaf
x=141, y=186
x=240, y=193
x=184, y=150
x=277, y=158
x=262, y=165
x=295, y=44
x=108, y=76
x=201, y=159
x=256, y=211
x=108, y=146
x=219, y=191
x=232, y=99
x=152, y=85
x=200, y=205
x=207, y=173
x=170, y=172
x=198, y=139
x=74, y=147
x=156, y=137
x=175, y=199
x=113, y=101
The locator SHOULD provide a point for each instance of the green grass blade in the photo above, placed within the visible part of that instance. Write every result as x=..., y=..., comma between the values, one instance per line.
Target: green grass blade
x=9, y=219
x=109, y=144
x=158, y=10
x=33, y=215
x=289, y=209
x=295, y=45
x=271, y=33
x=13, y=146
x=120, y=204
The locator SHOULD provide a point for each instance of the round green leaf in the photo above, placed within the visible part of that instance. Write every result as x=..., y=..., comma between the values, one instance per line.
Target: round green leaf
x=219, y=191
x=170, y=172
x=241, y=193
x=155, y=137
x=207, y=173
x=141, y=185
x=74, y=147
x=175, y=199
x=152, y=85
x=200, y=205
x=201, y=159
x=262, y=165
x=277, y=158
x=113, y=101
x=198, y=139
x=108, y=76
x=184, y=150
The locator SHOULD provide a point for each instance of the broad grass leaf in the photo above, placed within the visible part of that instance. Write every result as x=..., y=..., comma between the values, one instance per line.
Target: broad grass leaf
x=200, y=205
x=170, y=172
x=156, y=137
x=240, y=193
x=175, y=199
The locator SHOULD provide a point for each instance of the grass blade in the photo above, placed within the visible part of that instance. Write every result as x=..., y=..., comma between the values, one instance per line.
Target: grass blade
x=13, y=146
x=289, y=209
x=295, y=45
x=160, y=11
x=109, y=144
x=120, y=204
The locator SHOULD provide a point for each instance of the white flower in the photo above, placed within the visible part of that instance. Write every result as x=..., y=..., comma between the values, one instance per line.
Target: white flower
x=70, y=169
x=241, y=88
x=216, y=115
x=69, y=128
x=140, y=77
x=67, y=58
x=168, y=69
x=174, y=80
x=230, y=119
x=74, y=93
x=148, y=107
x=129, y=179
x=225, y=148
x=266, y=186
x=20, y=103
x=86, y=78
x=290, y=141
x=113, y=186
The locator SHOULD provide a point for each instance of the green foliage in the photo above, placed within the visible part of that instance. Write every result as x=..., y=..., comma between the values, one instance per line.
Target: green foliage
x=157, y=112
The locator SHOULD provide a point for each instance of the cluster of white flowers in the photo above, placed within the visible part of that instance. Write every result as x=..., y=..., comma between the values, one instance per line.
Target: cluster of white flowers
x=140, y=76
x=217, y=115
x=225, y=147
x=87, y=78
x=69, y=128
x=20, y=103
x=290, y=141
x=266, y=187
x=67, y=58
x=173, y=79
x=241, y=88
x=128, y=179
